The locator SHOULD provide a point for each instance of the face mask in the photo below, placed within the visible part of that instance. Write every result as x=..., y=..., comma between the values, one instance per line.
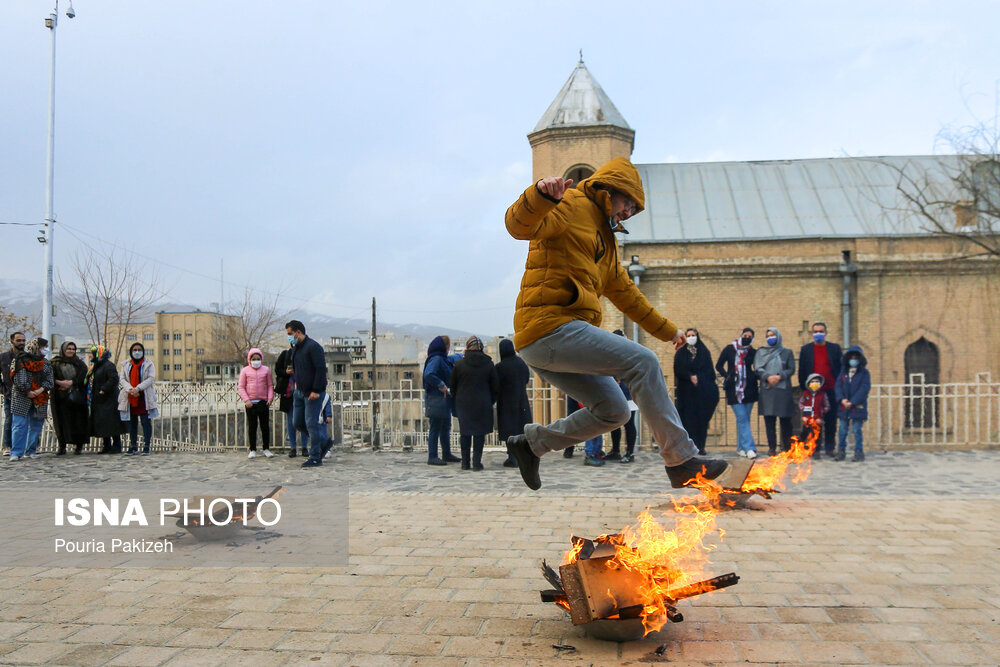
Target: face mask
x=291, y=340
x=255, y=363
x=854, y=362
x=772, y=340
x=746, y=340
x=819, y=337
x=44, y=351
x=692, y=340
x=814, y=387
x=137, y=354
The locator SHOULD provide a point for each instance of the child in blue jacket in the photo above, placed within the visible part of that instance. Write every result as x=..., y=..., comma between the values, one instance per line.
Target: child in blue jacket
x=851, y=392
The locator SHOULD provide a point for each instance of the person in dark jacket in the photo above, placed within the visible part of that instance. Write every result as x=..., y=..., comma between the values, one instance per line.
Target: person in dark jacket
x=475, y=386
x=735, y=364
x=513, y=407
x=102, y=394
x=31, y=374
x=438, y=401
x=17, y=342
x=775, y=365
x=697, y=391
x=309, y=367
x=851, y=391
x=284, y=387
x=70, y=419
x=823, y=357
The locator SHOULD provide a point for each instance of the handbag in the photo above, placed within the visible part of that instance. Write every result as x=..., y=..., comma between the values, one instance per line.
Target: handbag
x=77, y=396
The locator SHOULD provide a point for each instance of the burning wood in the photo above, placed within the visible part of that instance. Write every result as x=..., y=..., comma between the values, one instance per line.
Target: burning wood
x=637, y=575
x=222, y=522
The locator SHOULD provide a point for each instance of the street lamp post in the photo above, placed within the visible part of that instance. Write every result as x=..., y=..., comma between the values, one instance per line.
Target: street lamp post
x=635, y=271
x=50, y=220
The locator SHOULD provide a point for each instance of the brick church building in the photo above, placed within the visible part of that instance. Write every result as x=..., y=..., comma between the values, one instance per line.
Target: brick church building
x=724, y=245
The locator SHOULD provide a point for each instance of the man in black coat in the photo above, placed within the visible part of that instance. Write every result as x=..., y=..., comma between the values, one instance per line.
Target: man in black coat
x=17, y=342
x=823, y=357
x=309, y=366
x=513, y=407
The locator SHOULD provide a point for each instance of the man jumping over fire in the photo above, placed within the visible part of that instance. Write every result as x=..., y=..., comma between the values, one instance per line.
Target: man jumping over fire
x=572, y=262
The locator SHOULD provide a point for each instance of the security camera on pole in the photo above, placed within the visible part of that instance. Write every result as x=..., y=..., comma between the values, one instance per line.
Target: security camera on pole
x=46, y=236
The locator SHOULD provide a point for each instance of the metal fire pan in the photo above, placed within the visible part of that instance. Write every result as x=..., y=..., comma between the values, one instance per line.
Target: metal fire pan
x=617, y=629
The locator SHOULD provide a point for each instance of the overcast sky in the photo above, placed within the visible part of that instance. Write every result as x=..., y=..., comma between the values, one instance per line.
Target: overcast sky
x=350, y=150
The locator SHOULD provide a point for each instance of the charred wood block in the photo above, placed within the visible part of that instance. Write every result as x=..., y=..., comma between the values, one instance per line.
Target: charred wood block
x=551, y=576
x=553, y=596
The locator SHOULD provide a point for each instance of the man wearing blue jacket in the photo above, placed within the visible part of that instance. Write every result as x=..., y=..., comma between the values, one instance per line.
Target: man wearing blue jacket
x=309, y=365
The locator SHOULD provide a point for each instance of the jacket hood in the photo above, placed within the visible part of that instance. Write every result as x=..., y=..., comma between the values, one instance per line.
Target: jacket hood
x=856, y=349
x=816, y=376
x=437, y=348
x=506, y=348
x=254, y=351
x=620, y=175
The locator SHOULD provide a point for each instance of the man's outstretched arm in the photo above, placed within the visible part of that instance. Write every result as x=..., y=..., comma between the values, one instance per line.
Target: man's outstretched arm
x=534, y=215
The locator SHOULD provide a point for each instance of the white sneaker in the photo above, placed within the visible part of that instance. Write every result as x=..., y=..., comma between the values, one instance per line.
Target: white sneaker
x=267, y=453
x=751, y=454
x=252, y=454
x=327, y=455
x=740, y=452
x=35, y=456
x=15, y=458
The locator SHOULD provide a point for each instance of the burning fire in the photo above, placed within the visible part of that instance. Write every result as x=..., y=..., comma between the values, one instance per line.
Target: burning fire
x=768, y=475
x=665, y=561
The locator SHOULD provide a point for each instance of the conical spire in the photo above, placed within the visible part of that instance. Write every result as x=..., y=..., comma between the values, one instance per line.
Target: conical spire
x=581, y=102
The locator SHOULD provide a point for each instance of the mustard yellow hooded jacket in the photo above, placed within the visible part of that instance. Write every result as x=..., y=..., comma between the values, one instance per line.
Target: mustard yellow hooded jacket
x=573, y=257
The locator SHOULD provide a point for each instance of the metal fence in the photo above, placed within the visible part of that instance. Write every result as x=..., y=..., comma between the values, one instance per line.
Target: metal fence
x=211, y=417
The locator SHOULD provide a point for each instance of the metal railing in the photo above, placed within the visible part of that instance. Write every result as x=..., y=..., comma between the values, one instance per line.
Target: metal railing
x=211, y=417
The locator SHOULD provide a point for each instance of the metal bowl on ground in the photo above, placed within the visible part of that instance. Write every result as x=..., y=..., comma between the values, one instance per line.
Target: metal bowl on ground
x=210, y=532
x=616, y=629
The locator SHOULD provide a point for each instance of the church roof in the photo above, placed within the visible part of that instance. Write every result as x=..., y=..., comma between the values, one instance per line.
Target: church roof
x=828, y=197
x=581, y=102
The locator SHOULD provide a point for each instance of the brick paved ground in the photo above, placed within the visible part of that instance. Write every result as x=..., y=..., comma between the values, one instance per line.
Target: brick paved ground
x=858, y=565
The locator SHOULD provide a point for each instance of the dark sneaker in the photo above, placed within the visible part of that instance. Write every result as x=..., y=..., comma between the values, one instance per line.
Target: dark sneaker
x=451, y=458
x=519, y=449
x=291, y=454
x=840, y=456
x=477, y=468
x=305, y=453
x=145, y=452
x=510, y=463
x=132, y=452
x=683, y=474
x=628, y=458
x=858, y=457
x=436, y=462
x=771, y=451
x=612, y=456
x=593, y=461
x=311, y=463
x=568, y=453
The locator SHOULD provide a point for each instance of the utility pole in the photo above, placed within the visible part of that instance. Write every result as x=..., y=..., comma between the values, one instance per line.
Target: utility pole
x=375, y=443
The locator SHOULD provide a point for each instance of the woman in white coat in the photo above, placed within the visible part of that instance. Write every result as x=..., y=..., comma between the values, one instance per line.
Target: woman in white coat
x=137, y=396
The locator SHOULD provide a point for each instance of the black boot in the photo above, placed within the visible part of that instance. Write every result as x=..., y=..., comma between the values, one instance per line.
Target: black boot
x=62, y=449
x=685, y=473
x=527, y=462
x=568, y=453
x=79, y=450
x=449, y=457
x=466, y=451
x=477, y=455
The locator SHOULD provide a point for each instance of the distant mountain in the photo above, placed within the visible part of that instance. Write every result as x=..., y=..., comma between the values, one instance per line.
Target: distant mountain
x=24, y=297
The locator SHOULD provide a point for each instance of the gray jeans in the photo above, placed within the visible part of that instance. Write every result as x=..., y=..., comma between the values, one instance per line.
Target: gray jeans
x=581, y=359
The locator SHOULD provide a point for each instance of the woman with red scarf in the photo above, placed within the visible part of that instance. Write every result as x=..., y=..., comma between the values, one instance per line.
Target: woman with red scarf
x=736, y=365
x=137, y=397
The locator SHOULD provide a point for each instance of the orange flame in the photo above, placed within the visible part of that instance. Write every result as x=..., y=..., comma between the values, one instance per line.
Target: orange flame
x=768, y=475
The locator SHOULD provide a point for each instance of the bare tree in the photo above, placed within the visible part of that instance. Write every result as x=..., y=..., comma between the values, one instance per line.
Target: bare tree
x=959, y=196
x=255, y=313
x=109, y=293
x=10, y=322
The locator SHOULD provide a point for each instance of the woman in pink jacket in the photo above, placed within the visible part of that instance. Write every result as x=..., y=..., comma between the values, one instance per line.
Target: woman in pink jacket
x=256, y=387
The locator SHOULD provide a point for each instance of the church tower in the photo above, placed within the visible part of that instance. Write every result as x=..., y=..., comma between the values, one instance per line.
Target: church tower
x=580, y=131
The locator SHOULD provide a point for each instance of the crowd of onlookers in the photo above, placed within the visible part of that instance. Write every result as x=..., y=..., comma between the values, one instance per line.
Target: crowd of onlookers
x=834, y=387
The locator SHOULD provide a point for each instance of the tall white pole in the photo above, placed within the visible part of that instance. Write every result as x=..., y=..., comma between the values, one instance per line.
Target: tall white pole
x=50, y=221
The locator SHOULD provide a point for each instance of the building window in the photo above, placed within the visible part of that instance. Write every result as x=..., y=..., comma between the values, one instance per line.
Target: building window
x=201, y=350
x=579, y=172
x=131, y=336
x=176, y=351
x=189, y=366
x=408, y=375
x=166, y=351
x=358, y=375
x=166, y=367
x=338, y=369
x=922, y=365
x=166, y=336
x=188, y=334
x=149, y=353
x=148, y=336
x=177, y=336
x=177, y=367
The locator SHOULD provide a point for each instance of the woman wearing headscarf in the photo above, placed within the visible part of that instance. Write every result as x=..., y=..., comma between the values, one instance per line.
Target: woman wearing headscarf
x=775, y=365
x=69, y=399
x=735, y=364
x=474, y=385
x=137, y=397
x=102, y=394
x=513, y=407
x=437, y=401
x=31, y=375
x=697, y=392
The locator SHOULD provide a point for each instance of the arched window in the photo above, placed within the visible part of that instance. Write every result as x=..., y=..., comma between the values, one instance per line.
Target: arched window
x=579, y=172
x=922, y=367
